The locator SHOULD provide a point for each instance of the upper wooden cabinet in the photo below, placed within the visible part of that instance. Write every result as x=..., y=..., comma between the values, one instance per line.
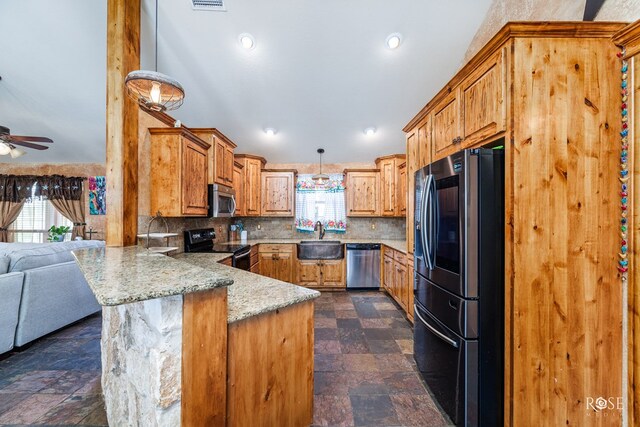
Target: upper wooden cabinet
x=482, y=96
x=422, y=148
x=362, y=192
x=178, y=173
x=402, y=189
x=446, y=125
x=412, y=166
x=238, y=186
x=251, y=193
x=278, y=188
x=390, y=189
x=220, y=155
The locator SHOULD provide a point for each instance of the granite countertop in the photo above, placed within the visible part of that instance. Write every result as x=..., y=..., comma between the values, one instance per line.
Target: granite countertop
x=251, y=294
x=398, y=245
x=124, y=275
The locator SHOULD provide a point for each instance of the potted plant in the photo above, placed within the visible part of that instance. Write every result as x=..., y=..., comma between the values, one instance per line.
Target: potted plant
x=56, y=234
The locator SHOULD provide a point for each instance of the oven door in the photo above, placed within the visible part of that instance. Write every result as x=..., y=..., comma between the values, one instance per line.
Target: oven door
x=449, y=365
x=242, y=260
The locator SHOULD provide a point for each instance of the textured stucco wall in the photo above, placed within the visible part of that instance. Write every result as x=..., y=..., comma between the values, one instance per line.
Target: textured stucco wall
x=503, y=11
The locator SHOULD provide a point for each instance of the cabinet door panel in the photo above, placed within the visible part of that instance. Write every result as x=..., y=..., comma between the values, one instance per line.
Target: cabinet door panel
x=483, y=103
x=388, y=184
x=363, y=189
x=277, y=194
x=402, y=190
x=446, y=126
x=400, y=282
x=252, y=188
x=423, y=147
x=412, y=166
x=308, y=272
x=219, y=163
x=194, y=179
x=228, y=165
x=332, y=273
x=387, y=279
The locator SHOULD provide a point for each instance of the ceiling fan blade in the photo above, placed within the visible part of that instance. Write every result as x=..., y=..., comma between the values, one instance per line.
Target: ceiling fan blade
x=29, y=145
x=30, y=138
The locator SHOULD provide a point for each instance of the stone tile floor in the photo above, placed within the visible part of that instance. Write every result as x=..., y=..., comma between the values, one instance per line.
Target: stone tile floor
x=365, y=374
x=55, y=381
x=364, y=371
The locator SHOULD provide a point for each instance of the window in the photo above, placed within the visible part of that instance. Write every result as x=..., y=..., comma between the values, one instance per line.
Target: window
x=34, y=221
x=326, y=204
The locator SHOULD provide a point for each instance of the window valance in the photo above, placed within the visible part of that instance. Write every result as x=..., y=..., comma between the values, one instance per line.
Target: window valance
x=18, y=188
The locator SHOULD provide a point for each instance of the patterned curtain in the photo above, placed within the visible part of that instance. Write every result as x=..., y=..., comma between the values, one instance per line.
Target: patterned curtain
x=55, y=187
x=16, y=188
x=325, y=204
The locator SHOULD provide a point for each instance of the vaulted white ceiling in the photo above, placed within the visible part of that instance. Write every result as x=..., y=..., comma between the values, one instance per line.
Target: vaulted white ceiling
x=319, y=74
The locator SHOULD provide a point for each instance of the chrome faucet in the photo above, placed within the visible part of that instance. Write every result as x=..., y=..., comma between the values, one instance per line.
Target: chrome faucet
x=321, y=227
x=166, y=226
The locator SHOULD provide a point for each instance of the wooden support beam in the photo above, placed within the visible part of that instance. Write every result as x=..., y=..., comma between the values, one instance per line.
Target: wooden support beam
x=123, y=56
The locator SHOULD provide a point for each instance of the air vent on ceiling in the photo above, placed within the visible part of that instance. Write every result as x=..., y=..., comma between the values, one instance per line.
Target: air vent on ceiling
x=214, y=5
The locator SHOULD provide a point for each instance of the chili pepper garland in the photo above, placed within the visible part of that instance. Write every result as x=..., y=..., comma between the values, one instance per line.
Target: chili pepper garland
x=623, y=262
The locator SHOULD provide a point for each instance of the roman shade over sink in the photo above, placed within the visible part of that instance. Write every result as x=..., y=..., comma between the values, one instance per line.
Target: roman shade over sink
x=320, y=249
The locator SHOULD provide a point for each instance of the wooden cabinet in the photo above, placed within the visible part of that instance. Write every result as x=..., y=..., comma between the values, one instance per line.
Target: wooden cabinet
x=321, y=273
x=276, y=261
x=394, y=276
x=238, y=186
x=482, y=97
x=278, y=188
x=446, y=126
x=220, y=155
x=178, y=173
x=402, y=189
x=252, y=184
x=362, y=192
x=553, y=91
x=422, y=151
x=390, y=187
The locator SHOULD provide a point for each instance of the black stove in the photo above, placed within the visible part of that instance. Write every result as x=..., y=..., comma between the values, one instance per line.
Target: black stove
x=202, y=241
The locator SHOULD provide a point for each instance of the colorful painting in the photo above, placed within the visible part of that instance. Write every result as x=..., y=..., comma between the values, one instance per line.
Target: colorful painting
x=97, y=195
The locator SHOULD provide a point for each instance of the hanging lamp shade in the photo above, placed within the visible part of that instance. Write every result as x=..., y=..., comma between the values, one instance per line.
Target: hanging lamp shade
x=320, y=179
x=154, y=90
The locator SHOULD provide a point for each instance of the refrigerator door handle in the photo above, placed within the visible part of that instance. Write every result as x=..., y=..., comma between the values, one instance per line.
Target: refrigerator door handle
x=435, y=223
x=437, y=333
x=425, y=220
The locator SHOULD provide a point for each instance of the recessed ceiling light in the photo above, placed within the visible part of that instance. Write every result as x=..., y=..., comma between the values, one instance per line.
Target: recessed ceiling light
x=270, y=131
x=247, y=41
x=370, y=131
x=394, y=40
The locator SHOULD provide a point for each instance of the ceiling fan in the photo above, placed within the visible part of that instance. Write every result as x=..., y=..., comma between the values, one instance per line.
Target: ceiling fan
x=8, y=143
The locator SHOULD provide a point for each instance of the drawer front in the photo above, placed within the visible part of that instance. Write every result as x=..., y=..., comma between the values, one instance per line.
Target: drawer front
x=270, y=247
x=400, y=257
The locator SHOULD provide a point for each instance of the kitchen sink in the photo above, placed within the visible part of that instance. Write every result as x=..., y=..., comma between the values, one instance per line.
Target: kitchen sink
x=320, y=249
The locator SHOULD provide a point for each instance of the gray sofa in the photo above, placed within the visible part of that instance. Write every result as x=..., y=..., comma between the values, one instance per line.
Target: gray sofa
x=41, y=290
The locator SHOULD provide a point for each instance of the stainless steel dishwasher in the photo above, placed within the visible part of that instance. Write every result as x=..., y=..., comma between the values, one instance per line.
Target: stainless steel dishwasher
x=363, y=266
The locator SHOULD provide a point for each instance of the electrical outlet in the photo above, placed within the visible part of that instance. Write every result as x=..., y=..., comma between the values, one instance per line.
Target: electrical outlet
x=259, y=227
x=373, y=225
x=219, y=229
x=289, y=227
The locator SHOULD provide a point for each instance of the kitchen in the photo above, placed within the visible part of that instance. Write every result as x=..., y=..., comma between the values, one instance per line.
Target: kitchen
x=478, y=272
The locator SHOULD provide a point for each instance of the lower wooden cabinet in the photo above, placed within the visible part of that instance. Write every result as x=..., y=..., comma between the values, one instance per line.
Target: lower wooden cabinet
x=254, y=260
x=410, y=273
x=394, y=277
x=321, y=273
x=276, y=261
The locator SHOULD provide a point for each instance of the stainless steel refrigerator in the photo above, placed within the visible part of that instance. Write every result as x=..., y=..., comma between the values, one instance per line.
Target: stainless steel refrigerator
x=459, y=284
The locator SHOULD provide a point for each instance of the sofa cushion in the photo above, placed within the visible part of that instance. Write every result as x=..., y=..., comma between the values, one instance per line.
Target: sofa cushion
x=44, y=254
x=4, y=264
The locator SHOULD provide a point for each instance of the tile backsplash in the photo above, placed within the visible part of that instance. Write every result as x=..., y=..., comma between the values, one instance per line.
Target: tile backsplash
x=357, y=228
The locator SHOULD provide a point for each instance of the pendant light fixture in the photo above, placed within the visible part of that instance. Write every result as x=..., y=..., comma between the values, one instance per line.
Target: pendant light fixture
x=153, y=90
x=320, y=178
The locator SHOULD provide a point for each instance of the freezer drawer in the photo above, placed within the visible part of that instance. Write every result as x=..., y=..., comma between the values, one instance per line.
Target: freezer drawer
x=458, y=314
x=449, y=366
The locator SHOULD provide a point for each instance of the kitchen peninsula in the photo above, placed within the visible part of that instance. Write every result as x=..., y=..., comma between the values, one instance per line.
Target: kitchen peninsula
x=177, y=337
